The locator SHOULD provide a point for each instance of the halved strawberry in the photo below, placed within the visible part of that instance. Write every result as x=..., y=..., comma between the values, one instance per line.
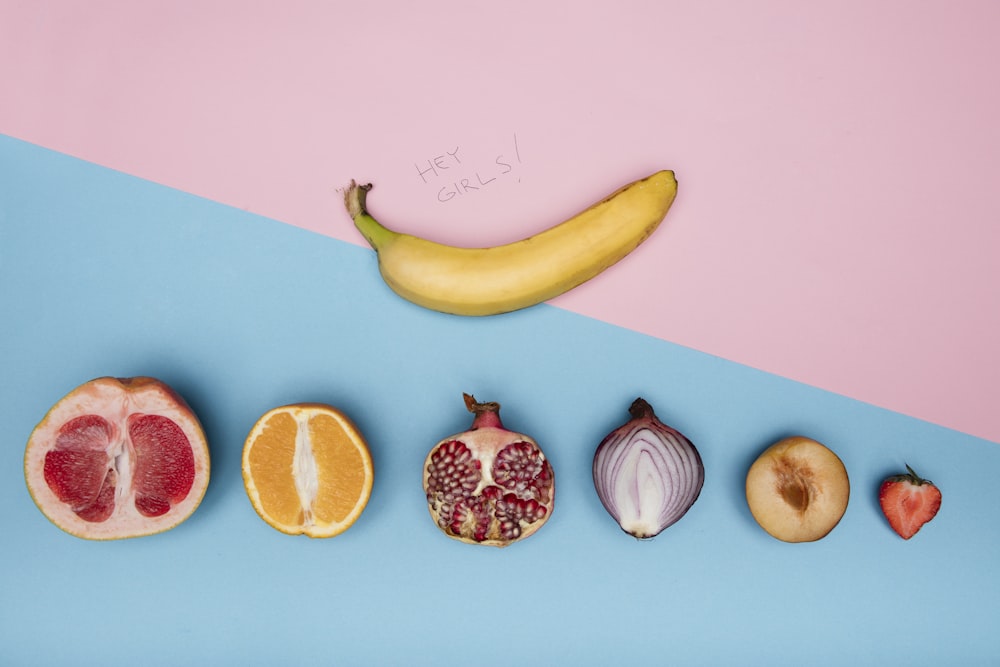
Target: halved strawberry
x=908, y=502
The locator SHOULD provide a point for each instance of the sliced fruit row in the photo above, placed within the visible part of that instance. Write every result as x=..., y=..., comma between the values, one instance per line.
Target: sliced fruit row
x=119, y=458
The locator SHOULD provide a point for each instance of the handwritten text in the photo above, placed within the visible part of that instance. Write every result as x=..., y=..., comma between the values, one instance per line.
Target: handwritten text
x=454, y=178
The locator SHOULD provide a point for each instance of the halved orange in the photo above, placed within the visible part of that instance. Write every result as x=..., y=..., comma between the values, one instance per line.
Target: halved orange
x=307, y=470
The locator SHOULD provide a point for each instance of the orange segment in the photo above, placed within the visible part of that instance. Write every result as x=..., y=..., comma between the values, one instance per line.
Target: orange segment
x=270, y=465
x=307, y=470
x=341, y=470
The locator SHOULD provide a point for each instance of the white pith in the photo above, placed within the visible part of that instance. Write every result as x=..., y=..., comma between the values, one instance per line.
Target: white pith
x=121, y=456
x=304, y=468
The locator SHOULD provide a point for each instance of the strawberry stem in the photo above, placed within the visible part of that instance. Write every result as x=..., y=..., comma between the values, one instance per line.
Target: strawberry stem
x=915, y=478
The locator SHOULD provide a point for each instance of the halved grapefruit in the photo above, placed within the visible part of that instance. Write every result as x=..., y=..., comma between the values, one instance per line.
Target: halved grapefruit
x=117, y=458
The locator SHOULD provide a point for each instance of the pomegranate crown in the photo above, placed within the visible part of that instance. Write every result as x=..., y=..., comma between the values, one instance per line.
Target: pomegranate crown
x=487, y=414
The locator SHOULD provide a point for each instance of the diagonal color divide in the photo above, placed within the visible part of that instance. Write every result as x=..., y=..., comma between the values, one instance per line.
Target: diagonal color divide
x=835, y=223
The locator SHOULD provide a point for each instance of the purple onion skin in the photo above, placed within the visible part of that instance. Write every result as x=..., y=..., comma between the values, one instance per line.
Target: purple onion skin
x=647, y=474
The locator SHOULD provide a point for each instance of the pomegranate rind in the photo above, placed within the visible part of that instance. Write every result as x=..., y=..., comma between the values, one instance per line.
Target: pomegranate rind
x=114, y=399
x=304, y=411
x=488, y=441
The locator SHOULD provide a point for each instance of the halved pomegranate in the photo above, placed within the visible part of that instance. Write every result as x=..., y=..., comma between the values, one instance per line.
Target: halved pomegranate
x=488, y=485
x=116, y=458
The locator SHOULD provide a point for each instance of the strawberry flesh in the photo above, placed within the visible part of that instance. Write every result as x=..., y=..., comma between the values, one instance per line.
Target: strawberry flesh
x=908, y=502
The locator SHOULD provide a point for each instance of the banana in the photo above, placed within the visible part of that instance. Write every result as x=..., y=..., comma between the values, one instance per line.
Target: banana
x=489, y=281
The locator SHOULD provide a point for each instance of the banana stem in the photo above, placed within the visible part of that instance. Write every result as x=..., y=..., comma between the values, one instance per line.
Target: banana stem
x=373, y=231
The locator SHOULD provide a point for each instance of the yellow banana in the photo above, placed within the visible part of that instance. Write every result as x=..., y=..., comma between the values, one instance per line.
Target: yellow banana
x=489, y=281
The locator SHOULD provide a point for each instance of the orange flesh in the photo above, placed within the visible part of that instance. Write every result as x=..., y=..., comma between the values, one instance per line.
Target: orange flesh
x=271, y=466
x=340, y=469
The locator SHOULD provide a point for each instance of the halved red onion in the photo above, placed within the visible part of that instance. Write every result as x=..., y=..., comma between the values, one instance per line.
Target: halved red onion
x=647, y=474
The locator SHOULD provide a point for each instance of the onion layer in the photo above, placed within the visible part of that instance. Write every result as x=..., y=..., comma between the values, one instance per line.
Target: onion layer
x=647, y=474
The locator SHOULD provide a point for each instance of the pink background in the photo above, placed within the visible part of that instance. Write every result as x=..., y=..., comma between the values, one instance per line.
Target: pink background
x=837, y=221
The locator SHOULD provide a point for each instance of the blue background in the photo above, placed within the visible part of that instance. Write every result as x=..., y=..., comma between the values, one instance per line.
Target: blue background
x=105, y=274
